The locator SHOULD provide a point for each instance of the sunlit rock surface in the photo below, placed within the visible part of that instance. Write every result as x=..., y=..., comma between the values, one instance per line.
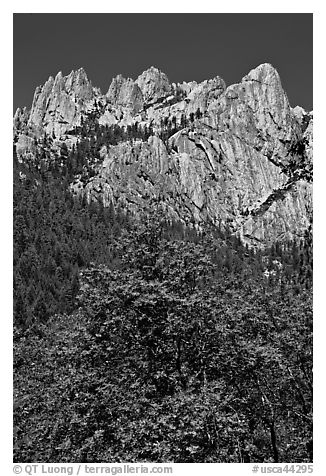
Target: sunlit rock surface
x=241, y=156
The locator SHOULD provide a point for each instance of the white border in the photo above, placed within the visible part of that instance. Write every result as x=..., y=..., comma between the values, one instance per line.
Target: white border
x=167, y=6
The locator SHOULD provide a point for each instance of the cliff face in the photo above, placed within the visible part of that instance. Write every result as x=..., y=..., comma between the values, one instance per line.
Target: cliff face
x=59, y=104
x=125, y=93
x=154, y=85
x=238, y=156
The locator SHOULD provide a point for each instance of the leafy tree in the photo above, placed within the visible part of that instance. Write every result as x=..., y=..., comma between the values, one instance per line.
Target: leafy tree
x=171, y=356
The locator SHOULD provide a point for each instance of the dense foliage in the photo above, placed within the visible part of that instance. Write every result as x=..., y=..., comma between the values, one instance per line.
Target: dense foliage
x=147, y=341
x=179, y=351
x=54, y=236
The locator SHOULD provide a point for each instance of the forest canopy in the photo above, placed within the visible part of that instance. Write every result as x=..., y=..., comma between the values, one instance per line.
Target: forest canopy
x=146, y=340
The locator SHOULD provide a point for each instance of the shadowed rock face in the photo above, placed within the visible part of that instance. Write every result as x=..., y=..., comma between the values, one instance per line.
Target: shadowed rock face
x=241, y=157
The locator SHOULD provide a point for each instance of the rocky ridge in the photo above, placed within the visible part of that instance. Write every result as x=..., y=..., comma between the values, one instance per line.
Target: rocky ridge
x=237, y=156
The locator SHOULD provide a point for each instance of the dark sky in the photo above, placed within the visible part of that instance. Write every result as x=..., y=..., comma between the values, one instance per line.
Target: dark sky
x=184, y=46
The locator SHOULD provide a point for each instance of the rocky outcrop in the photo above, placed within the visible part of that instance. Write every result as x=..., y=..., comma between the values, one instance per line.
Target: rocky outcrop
x=154, y=85
x=20, y=120
x=126, y=93
x=257, y=111
x=205, y=180
x=60, y=103
x=203, y=95
x=189, y=99
x=241, y=156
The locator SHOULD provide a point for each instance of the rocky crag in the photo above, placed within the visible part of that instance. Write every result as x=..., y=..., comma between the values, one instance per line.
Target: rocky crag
x=237, y=156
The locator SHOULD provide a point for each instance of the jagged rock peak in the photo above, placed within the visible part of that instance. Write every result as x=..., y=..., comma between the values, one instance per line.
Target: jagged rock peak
x=261, y=91
x=77, y=80
x=58, y=104
x=76, y=83
x=154, y=84
x=125, y=92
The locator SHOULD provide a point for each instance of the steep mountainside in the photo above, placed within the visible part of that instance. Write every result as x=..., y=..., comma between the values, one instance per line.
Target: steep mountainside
x=136, y=337
x=237, y=156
